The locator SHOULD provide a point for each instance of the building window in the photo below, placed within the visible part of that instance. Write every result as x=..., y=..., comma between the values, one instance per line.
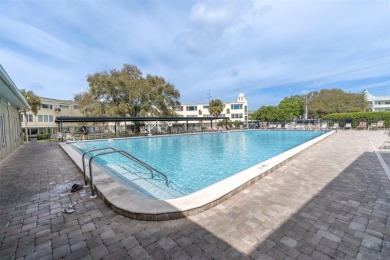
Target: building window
x=2, y=129
x=236, y=115
x=16, y=128
x=64, y=106
x=47, y=106
x=204, y=107
x=228, y=111
x=387, y=103
x=236, y=106
x=178, y=108
x=45, y=118
x=200, y=112
x=192, y=116
x=191, y=108
x=30, y=118
x=75, y=106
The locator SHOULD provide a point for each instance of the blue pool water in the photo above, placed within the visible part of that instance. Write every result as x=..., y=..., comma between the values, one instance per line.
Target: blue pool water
x=193, y=162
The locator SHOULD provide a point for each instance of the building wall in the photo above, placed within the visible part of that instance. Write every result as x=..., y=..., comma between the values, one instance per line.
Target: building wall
x=237, y=110
x=378, y=103
x=11, y=102
x=9, y=128
x=44, y=121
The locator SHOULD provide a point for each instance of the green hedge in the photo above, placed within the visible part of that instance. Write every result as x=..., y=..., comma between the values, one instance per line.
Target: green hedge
x=43, y=136
x=357, y=117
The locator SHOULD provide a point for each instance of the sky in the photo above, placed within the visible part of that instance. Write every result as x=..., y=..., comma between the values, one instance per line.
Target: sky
x=268, y=50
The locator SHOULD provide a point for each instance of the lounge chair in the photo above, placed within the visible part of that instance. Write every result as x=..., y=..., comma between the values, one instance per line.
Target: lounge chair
x=372, y=126
x=348, y=126
x=335, y=126
x=324, y=126
x=362, y=125
x=211, y=129
x=380, y=124
x=309, y=127
x=272, y=126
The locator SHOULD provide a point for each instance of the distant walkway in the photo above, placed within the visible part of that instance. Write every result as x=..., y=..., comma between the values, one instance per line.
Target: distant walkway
x=333, y=201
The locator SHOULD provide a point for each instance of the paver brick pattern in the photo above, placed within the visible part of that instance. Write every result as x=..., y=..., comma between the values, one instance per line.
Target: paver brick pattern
x=331, y=202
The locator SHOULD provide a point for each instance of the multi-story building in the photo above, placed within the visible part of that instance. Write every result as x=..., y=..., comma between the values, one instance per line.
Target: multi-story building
x=44, y=121
x=378, y=103
x=236, y=111
x=11, y=103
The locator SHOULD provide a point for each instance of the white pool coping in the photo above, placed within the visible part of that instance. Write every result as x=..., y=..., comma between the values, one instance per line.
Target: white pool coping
x=136, y=206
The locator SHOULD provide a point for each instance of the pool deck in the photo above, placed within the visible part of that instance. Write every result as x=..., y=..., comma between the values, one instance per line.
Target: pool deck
x=330, y=202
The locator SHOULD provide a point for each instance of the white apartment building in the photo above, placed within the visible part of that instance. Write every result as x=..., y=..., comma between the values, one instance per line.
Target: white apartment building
x=43, y=122
x=237, y=110
x=378, y=103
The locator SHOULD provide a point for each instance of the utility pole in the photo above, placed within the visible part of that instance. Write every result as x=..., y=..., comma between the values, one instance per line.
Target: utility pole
x=209, y=96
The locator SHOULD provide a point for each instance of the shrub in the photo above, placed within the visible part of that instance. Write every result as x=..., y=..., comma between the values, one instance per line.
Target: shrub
x=357, y=117
x=43, y=136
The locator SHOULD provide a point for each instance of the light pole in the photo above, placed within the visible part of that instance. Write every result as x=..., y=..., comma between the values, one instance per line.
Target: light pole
x=306, y=107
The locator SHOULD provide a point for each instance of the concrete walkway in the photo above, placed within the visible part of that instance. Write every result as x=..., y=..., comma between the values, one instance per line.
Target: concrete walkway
x=332, y=202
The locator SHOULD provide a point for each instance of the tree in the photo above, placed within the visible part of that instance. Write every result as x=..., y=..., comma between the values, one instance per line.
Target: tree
x=35, y=104
x=324, y=102
x=163, y=96
x=291, y=107
x=215, y=107
x=126, y=93
x=266, y=113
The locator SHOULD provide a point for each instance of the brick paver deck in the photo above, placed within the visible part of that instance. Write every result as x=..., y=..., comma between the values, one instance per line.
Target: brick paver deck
x=333, y=201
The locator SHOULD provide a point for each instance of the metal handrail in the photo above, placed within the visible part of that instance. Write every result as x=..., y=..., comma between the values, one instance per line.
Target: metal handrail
x=84, y=154
x=128, y=155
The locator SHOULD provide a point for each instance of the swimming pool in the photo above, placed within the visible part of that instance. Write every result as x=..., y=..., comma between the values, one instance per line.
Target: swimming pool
x=193, y=162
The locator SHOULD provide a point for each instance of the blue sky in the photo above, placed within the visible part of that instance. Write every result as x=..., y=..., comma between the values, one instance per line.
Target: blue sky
x=267, y=50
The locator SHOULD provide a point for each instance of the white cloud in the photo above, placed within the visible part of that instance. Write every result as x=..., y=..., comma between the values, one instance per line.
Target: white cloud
x=36, y=41
x=209, y=26
x=265, y=49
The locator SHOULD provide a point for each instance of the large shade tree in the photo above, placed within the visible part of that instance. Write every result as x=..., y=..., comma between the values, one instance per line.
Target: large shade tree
x=290, y=107
x=126, y=92
x=215, y=107
x=328, y=101
x=35, y=104
x=266, y=113
x=320, y=103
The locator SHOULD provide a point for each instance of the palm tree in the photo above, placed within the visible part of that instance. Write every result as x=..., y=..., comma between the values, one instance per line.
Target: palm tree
x=215, y=107
x=35, y=103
